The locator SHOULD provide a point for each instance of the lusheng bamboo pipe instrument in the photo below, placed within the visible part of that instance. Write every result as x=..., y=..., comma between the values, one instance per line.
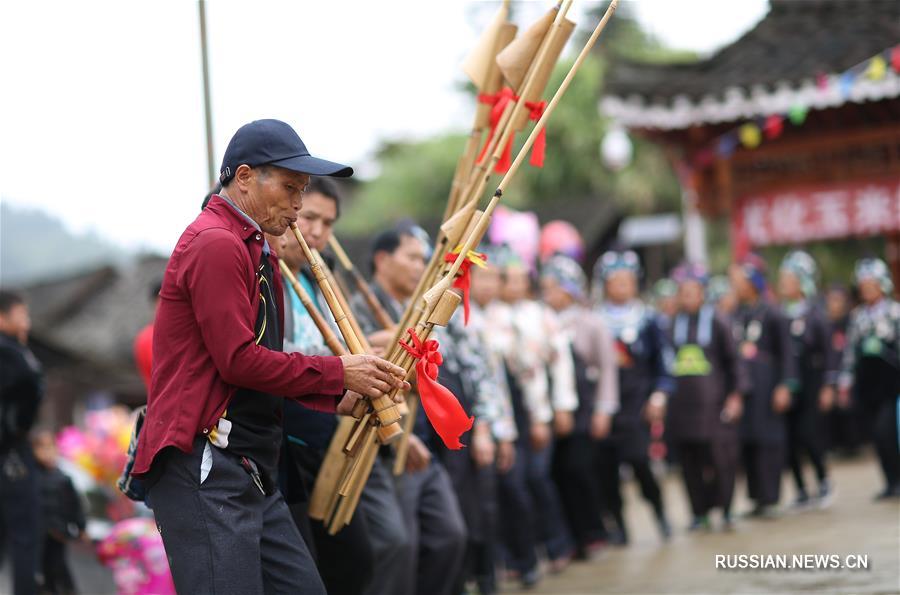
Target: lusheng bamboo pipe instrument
x=482, y=69
x=440, y=301
x=451, y=231
x=385, y=409
x=381, y=315
x=331, y=339
x=407, y=410
x=340, y=294
x=363, y=404
x=474, y=236
x=328, y=480
x=484, y=219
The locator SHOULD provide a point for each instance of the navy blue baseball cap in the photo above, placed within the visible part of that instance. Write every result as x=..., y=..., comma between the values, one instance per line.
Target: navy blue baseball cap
x=273, y=142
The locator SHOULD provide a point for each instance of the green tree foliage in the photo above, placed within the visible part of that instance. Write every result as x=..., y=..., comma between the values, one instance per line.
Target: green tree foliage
x=414, y=182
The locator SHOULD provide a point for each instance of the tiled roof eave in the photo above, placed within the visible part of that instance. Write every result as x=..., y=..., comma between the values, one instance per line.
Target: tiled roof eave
x=736, y=103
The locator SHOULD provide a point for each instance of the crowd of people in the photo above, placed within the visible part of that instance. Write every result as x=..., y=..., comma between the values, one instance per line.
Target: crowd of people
x=573, y=384
x=570, y=383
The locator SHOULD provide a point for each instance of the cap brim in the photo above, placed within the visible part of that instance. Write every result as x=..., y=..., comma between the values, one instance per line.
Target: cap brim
x=307, y=164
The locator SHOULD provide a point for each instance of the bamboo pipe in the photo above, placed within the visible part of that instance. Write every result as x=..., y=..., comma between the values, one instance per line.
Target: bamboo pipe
x=481, y=225
x=363, y=404
x=513, y=113
x=384, y=407
x=381, y=315
x=331, y=340
x=479, y=175
x=409, y=422
x=436, y=294
x=483, y=221
x=342, y=300
x=352, y=486
x=325, y=489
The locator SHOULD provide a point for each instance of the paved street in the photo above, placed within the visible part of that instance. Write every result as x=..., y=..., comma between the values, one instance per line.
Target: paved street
x=853, y=525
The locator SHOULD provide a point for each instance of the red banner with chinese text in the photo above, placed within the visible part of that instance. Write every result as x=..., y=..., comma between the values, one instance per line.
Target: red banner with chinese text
x=813, y=213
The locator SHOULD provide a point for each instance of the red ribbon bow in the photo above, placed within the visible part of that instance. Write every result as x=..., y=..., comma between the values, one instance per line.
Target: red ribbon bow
x=441, y=407
x=499, y=100
x=463, y=281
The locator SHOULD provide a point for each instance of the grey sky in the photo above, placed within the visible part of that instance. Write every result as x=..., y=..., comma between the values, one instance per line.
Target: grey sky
x=101, y=114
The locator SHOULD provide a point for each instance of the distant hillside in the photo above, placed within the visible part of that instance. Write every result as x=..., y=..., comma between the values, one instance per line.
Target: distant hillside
x=36, y=245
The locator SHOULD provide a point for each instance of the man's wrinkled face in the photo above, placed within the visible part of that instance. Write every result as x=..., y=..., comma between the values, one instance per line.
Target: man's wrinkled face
x=403, y=267
x=16, y=322
x=275, y=197
x=317, y=219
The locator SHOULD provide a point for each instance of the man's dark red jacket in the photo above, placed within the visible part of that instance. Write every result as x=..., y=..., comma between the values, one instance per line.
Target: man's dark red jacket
x=203, y=341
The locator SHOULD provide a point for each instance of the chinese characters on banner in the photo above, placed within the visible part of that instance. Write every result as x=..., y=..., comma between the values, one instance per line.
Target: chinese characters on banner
x=819, y=213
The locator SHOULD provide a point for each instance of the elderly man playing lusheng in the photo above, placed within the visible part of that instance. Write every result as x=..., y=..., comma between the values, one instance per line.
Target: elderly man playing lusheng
x=208, y=449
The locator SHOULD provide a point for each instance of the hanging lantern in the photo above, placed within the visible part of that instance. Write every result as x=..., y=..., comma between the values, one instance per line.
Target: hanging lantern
x=797, y=114
x=877, y=68
x=726, y=145
x=616, y=149
x=774, y=126
x=846, y=84
x=750, y=135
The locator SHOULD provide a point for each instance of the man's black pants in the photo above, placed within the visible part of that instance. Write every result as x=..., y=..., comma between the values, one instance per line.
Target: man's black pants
x=57, y=576
x=20, y=507
x=221, y=533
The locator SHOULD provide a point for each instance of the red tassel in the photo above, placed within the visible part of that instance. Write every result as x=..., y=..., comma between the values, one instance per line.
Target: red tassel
x=539, y=149
x=463, y=281
x=441, y=407
x=505, y=161
x=499, y=101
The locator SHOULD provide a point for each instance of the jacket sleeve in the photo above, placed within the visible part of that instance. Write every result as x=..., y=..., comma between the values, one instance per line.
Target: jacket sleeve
x=561, y=367
x=21, y=392
x=215, y=274
x=606, y=400
x=825, y=348
x=76, y=512
x=848, y=358
x=663, y=358
x=732, y=369
x=781, y=342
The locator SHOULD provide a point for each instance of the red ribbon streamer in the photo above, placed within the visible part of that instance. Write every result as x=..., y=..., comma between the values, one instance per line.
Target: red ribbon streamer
x=540, y=143
x=441, y=407
x=463, y=281
x=499, y=102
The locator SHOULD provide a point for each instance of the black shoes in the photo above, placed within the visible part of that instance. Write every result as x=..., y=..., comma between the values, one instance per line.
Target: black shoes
x=889, y=493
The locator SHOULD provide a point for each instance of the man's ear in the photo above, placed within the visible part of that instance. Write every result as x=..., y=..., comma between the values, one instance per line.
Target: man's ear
x=380, y=260
x=243, y=175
